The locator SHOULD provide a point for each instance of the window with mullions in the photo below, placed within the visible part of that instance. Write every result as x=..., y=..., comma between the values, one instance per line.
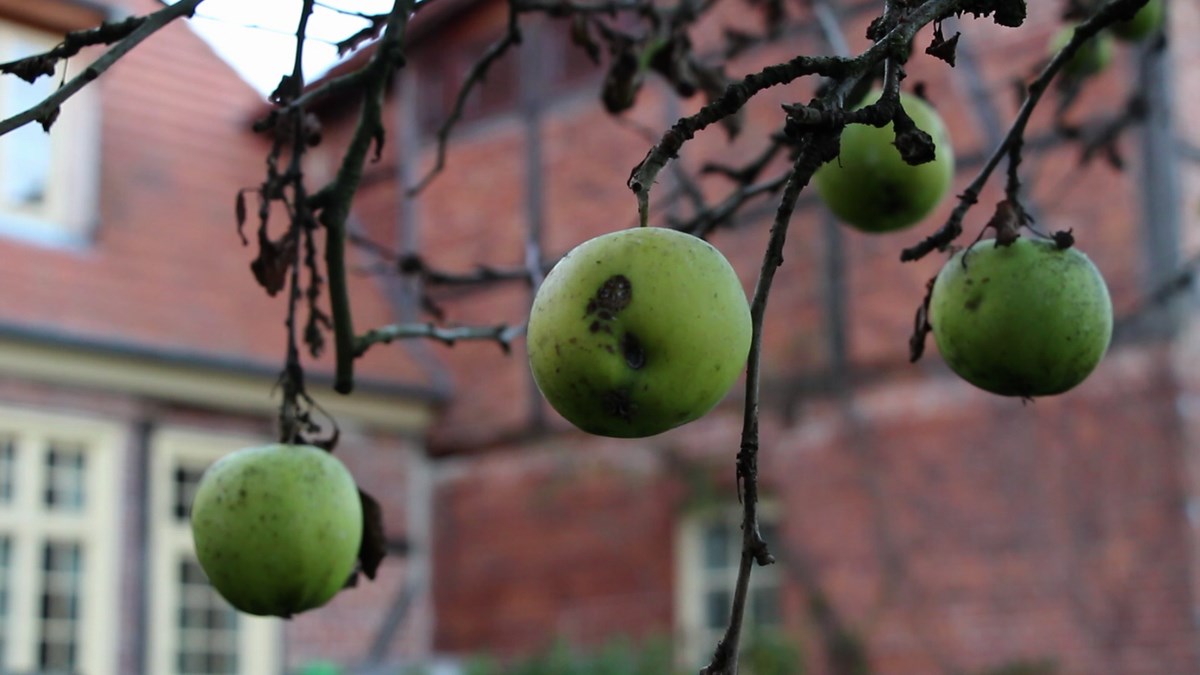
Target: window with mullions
x=185, y=481
x=58, y=505
x=58, y=646
x=194, y=631
x=5, y=590
x=65, y=485
x=208, y=626
x=48, y=181
x=709, y=552
x=8, y=455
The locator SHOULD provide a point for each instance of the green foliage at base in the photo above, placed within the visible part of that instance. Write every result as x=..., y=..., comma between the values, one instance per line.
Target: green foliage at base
x=768, y=654
x=1039, y=667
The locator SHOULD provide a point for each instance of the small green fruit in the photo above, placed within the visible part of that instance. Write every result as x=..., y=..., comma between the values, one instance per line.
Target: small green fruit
x=1025, y=320
x=638, y=331
x=277, y=528
x=870, y=186
x=1143, y=24
x=1092, y=57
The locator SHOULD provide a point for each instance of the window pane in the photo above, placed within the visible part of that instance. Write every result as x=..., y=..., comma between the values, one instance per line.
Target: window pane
x=185, y=480
x=65, y=470
x=764, y=606
x=62, y=570
x=5, y=584
x=717, y=542
x=770, y=533
x=716, y=608
x=8, y=467
x=207, y=626
x=24, y=153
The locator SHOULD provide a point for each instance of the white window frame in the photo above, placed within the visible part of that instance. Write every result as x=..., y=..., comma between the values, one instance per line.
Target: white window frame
x=694, y=640
x=260, y=640
x=29, y=524
x=69, y=212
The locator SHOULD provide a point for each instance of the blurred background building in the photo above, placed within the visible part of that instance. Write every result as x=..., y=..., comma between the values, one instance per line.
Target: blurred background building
x=920, y=526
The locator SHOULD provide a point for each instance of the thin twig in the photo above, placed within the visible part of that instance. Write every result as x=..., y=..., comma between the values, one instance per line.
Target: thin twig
x=704, y=222
x=336, y=198
x=1016, y=133
x=503, y=335
x=559, y=8
x=291, y=379
x=47, y=110
x=818, y=148
x=31, y=67
x=643, y=176
x=475, y=77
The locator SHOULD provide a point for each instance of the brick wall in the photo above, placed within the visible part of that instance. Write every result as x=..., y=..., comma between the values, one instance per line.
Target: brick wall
x=954, y=530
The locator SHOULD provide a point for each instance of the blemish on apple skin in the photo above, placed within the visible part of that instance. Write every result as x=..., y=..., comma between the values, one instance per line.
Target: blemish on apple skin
x=614, y=295
x=631, y=348
x=618, y=404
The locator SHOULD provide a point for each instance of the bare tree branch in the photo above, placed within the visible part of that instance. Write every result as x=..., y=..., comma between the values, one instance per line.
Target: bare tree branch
x=1016, y=134
x=502, y=335
x=818, y=148
x=474, y=78
x=336, y=198
x=894, y=42
x=46, y=111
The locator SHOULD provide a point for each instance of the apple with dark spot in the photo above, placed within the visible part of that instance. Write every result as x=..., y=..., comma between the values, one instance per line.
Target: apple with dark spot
x=638, y=331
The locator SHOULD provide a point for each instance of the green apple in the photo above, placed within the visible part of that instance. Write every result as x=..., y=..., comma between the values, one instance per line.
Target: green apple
x=870, y=186
x=1029, y=319
x=1143, y=24
x=277, y=528
x=1092, y=56
x=638, y=331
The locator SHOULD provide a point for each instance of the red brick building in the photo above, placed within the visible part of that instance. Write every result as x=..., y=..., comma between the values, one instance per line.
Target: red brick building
x=947, y=530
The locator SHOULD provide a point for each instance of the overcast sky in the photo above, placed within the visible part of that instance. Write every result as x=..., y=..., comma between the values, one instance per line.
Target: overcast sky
x=258, y=37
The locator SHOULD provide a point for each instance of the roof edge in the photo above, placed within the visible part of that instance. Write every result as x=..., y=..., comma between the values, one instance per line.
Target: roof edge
x=219, y=382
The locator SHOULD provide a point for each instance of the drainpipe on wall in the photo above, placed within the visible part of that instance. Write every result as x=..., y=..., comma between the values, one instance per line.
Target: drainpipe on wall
x=1160, y=191
x=403, y=292
x=139, y=493
x=532, y=92
x=420, y=557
